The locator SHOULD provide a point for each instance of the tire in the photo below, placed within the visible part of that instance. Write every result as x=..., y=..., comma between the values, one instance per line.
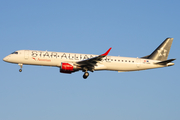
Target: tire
x=86, y=74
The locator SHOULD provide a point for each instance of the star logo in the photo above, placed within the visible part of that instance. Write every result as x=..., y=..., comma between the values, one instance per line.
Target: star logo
x=162, y=52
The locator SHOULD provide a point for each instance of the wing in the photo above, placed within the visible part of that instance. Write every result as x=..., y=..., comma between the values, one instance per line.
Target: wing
x=91, y=62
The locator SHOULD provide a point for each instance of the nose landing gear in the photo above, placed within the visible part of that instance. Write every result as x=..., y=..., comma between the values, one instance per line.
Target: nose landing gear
x=20, y=70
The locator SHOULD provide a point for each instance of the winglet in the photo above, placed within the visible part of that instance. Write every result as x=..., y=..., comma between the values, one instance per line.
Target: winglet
x=107, y=52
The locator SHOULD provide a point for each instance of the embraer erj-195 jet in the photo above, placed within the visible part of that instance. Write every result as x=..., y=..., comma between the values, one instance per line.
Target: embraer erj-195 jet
x=73, y=62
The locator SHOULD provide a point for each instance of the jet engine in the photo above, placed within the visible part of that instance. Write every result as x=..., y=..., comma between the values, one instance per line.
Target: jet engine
x=68, y=68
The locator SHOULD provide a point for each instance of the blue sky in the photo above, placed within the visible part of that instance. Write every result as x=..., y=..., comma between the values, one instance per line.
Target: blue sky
x=131, y=28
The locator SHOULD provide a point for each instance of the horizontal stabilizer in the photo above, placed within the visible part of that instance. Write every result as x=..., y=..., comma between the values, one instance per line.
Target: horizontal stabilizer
x=165, y=62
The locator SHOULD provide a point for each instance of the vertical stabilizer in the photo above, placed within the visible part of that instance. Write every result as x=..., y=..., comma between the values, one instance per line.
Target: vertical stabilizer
x=162, y=52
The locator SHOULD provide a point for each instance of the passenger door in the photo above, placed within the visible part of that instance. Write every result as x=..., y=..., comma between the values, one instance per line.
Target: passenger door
x=138, y=62
x=26, y=54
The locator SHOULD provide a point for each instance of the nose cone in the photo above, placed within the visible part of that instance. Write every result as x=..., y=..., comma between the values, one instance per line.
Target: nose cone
x=6, y=59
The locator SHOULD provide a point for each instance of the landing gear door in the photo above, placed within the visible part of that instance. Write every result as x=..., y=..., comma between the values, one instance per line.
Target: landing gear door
x=26, y=54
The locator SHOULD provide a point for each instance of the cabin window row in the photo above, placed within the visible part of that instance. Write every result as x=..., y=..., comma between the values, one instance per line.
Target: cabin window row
x=120, y=60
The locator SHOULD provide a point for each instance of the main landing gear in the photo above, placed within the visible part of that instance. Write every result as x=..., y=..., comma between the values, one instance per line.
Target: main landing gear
x=20, y=70
x=86, y=74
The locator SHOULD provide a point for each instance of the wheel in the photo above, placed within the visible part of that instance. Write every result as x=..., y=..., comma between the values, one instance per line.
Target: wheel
x=20, y=70
x=86, y=74
x=84, y=77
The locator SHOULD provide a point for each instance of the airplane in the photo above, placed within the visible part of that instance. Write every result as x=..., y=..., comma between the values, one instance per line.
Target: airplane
x=73, y=62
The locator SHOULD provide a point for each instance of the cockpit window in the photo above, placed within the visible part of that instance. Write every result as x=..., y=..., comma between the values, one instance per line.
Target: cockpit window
x=14, y=53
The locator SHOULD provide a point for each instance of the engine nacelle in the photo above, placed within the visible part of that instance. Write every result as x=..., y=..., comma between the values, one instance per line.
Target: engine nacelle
x=67, y=68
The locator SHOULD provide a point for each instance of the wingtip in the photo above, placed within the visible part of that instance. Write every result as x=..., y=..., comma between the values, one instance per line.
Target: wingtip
x=107, y=52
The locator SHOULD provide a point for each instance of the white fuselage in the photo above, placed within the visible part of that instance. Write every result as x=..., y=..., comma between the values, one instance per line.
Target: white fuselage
x=114, y=63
